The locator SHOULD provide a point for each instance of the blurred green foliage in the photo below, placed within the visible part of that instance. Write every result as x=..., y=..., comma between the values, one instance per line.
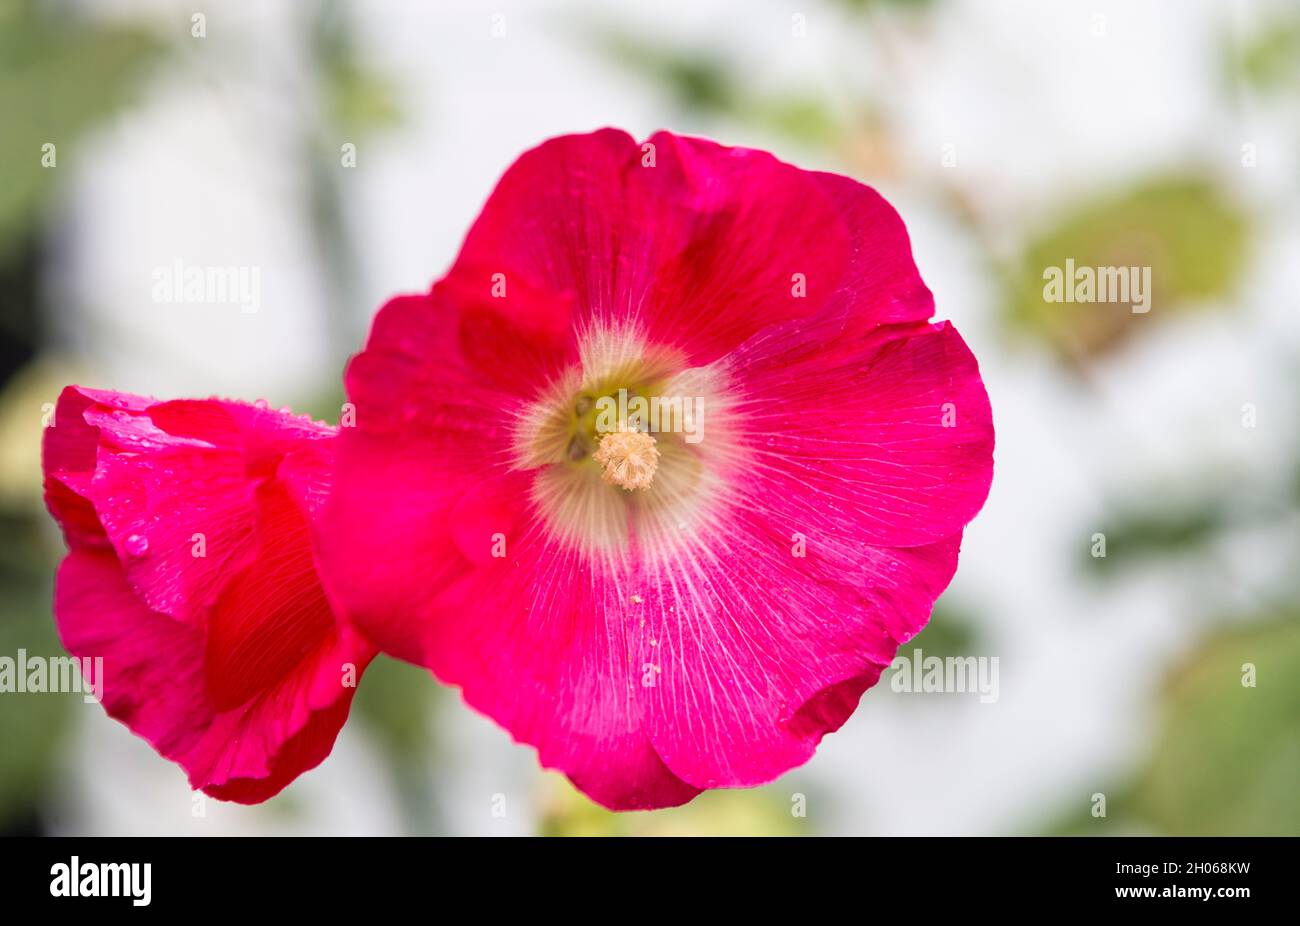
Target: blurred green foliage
x=757, y=812
x=1158, y=523
x=32, y=726
x=703, y=82
x=359, y=101
x=396, y=701
x=1269, y=59
x=1184, y=227
x=884, y=4
x=58, y=77
x=1137, y=534
x=358, y=98
x=952, y=631
x=1225, y=759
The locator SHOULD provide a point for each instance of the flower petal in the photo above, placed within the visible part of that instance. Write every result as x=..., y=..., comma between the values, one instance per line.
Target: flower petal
x=760, y=652
x=675, y=235
x=881, y=283
x=558, y=667
x=192, y=574
x=154, y=681
x=888, y=440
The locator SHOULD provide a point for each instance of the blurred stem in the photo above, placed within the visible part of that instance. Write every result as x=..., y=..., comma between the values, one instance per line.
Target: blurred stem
x=321, y=144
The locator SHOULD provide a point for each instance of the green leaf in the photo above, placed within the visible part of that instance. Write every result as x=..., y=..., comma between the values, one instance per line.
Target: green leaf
x=1227, y=759
x=1270, y=59
x=1190, y=234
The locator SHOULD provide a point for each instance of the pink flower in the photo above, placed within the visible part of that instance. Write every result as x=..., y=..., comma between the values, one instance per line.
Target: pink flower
x=661, y=612
x=191, y=573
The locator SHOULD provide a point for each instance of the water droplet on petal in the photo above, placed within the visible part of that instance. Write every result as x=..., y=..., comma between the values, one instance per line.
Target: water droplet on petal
x=137, y=545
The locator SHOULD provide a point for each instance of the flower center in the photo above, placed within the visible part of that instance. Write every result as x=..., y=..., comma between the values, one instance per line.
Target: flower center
x=628, y=458
x=616, y=446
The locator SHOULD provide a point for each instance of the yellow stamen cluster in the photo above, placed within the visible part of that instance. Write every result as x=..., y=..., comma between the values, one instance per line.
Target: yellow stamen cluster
x=628, y=458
